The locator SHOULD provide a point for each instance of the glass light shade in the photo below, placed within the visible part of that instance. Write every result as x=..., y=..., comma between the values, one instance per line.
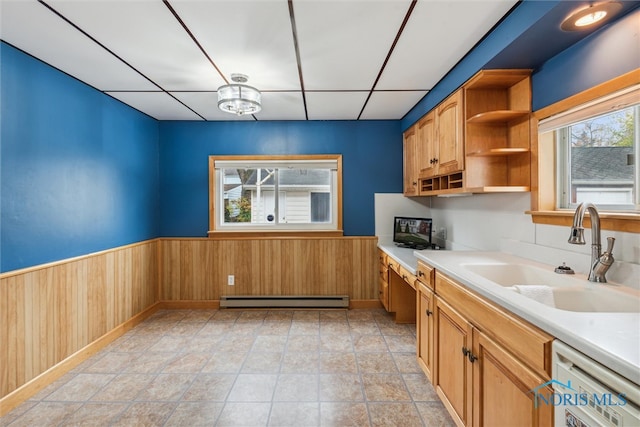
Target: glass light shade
x=584, y=18
x=239, y=99
x=591, y=18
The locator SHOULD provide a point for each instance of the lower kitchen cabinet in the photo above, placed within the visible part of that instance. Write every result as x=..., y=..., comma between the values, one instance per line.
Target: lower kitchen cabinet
x=487, y=361
x=383, y=290
x=452, y=379
x=502, y=388
x=425, y=315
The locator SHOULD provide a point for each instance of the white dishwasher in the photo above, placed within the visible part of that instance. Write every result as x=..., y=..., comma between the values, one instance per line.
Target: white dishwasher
x=587, y=394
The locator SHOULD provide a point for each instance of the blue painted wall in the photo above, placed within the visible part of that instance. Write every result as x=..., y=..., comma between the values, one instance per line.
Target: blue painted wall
x=371, y=158
x=79, y=170
x=608, y=53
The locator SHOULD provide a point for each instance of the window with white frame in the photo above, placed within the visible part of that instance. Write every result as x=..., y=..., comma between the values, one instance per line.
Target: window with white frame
x=268, y=193
x=597, y=152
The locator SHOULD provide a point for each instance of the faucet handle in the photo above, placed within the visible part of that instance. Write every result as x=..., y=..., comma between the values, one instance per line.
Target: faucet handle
x=610, y=242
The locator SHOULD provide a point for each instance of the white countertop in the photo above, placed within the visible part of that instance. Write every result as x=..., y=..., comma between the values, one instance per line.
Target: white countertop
x=613, y=339
x=405, y=256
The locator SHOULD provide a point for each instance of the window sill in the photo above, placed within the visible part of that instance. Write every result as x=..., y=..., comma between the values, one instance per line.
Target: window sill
x=278, y=234
x=616, y=221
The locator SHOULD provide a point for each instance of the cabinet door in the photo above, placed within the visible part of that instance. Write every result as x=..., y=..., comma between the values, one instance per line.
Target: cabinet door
x=427, y=146
x=424, y=332
x=453, y=377
x=410, y=169
x=450, y=134
x=502, y=388
x=383, y=290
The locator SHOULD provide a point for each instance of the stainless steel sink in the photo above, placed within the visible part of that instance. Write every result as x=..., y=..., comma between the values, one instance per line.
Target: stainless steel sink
x=570, y=293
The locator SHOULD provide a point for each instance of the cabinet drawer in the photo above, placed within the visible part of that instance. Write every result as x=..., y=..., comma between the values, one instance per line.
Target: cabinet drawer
x=528, y=343
x=426, y=275
x=407, y=277
x=394, y=265
x=382, y=256
x=384, y=272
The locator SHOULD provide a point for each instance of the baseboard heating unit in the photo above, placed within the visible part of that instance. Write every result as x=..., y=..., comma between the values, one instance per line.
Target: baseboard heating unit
x=306, y=301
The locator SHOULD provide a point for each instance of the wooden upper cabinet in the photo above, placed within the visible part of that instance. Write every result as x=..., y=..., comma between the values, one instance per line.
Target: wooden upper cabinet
x=427, y=145
x=450, y=135
x=410, y=162
x=478, y=140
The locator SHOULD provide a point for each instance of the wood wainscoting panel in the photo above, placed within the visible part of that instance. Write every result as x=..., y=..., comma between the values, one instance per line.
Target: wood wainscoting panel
x=198, y=268
x=52, y=311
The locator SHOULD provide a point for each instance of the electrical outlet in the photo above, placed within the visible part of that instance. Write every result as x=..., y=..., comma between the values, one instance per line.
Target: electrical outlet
x=231, y=280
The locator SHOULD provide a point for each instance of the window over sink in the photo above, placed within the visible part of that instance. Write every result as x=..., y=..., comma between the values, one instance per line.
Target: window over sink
x=589, y=151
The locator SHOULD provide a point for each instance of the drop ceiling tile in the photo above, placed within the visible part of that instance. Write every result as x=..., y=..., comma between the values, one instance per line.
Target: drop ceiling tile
x=343, y=44
x=147, y=36
x=247, y=37
x=282, y=106
x=437, y=35
x=392, y=105
x=335, y=105
x=206, y=104
x=33, y=28
x=158, y=105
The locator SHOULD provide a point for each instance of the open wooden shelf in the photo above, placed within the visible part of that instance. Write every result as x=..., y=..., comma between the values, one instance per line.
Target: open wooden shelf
x=498, y=152
x=498, y=116
x=499, y=189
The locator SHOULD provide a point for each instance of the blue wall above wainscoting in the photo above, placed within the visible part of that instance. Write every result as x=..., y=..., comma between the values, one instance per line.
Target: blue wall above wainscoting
x=371, y=161
x=79, y=170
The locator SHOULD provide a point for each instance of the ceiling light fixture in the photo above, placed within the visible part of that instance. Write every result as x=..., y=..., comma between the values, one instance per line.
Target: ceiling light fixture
x=238, y=98
x=583, y=19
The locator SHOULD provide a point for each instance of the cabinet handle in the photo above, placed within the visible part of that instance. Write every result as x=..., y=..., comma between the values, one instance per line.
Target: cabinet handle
x=420, y=274
x=471, y=356
x=404, y=277
x=465, y=351
x=429, y=312
x=415, y=182
x=435, y=160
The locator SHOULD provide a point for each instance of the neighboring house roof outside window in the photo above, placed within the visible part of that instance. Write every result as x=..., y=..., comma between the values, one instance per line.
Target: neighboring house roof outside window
x=602, y=164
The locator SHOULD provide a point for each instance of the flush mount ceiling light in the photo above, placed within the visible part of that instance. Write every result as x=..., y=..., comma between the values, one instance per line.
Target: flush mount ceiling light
x=583, y=19
x=238, y=98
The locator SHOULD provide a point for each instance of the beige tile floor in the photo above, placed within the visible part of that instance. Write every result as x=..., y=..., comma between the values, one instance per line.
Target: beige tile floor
x=246, y=368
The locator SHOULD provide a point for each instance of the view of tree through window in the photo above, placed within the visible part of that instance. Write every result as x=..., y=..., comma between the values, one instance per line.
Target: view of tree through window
x=601, y=154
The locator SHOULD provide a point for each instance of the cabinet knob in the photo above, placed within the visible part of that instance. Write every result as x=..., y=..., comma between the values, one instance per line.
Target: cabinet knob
x=420, y=273
x=472, y=358
x=465, y=351
x=435, y=160
x=415, y=182
x=429, y=312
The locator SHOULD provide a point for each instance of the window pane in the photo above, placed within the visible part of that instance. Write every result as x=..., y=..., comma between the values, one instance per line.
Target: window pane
x=298, y=186
x=249, y=196
x=602, y=159
x=320, y=207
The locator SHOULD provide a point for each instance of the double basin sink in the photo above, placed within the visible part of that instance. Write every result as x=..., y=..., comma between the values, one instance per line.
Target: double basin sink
x=569, y=292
